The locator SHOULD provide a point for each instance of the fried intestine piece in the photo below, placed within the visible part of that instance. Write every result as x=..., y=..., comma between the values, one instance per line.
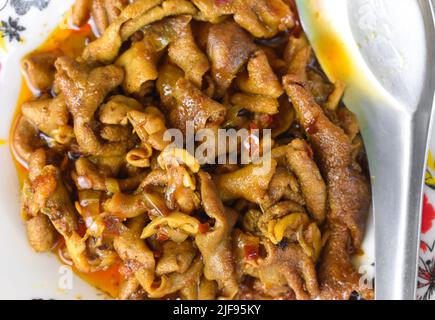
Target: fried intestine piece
x=81, y=12
x=39, y=70
x=150, y=126
x=132, y=205
x=104, y=12
x=140, y=259
x=105, y=48
x=50, y=116
x=41, y=233
x=115, y=111
x=176, y=181
x=169, y=74
x=256, y=103
x=185, y=53
x=246, y=183
x=85, y=89
x=130, y=289
x=180, y=167
x=297, y=55
x=175, y=282
x=140, y=61
x=275, y=213
x=289, y=267
x=44, y=192
x=260, y=78
x=299, y=157
x=134, y=17
x=140, y=65
x=284, y=185
x=25, y=140
x=176, y=257
x=205, y=290
x=180, y=191
x=213, y=11
x=165, y=9
x=192, y=105
x=215, y=245
x=348, y=192
x=115, y=133
x=259, y=85
x=135, y=253
x=288, y=221
x=337, y=275
x=229, y=48
x=87, y=176
x=262, y=18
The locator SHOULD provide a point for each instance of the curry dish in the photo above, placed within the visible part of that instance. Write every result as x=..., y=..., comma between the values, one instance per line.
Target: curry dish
x=106, y=191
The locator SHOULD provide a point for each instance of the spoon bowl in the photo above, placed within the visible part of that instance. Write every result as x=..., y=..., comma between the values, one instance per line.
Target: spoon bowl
x=384, y=51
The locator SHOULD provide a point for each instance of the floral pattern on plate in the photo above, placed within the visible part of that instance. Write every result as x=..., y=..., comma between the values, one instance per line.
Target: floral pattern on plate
x=426, y=263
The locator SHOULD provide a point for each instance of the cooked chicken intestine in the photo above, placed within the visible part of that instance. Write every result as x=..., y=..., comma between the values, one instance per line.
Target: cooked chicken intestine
x=108, y=190
x=215, y=245
x=349, y=192
x=263, y=18
x=39, y=70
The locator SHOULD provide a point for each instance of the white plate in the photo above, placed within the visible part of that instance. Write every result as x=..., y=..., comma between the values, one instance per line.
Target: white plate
x=23, y=273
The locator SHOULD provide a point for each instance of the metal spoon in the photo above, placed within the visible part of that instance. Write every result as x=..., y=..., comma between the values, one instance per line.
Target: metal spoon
x=384, y=50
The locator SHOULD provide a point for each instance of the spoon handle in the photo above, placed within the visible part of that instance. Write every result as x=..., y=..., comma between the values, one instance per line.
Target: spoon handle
x=397, y=199
x=390, y=82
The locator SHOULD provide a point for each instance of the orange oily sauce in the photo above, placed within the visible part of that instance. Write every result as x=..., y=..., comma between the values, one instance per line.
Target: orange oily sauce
x=331, y=51
x=68, y=42
x=334, y=57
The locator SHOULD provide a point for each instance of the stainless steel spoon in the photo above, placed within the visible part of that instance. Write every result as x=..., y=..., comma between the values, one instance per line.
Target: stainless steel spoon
x=384, y=50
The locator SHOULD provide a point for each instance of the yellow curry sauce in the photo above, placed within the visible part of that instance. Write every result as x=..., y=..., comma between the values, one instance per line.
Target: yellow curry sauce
x=70, y=42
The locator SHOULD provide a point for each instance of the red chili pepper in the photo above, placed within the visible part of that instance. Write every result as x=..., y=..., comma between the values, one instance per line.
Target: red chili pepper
x=222, y=2
x=251, y=251
x=81, y=228
x=204, y=228
x=253, y=126
x=271, y=120
x=162, y=237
